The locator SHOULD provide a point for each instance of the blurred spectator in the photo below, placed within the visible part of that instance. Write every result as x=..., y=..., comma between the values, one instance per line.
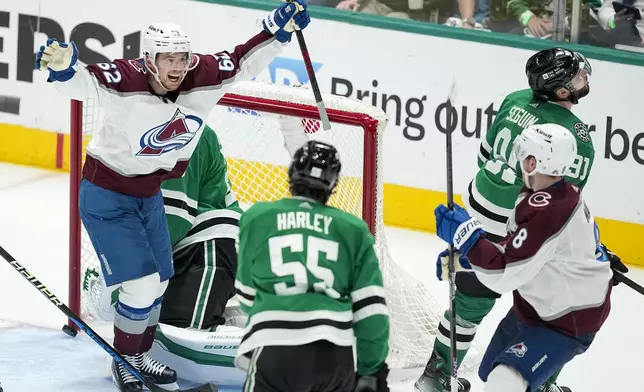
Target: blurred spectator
x=600, y=24
x=623, y=26
x=391, y=8
x=618, y=28
x=535, y=16
x=474, y=14
x=323, y=3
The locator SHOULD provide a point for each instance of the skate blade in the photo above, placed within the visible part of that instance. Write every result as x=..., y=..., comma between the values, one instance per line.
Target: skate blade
x=175, y=388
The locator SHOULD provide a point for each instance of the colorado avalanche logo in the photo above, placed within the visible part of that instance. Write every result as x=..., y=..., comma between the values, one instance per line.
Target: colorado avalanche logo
x=539, y=199
x=518, y=349
x=172, y=135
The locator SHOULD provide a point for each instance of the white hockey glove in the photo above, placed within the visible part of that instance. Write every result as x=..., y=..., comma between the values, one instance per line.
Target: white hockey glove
x=461, y=263
x=59, y=58
x=286, y=18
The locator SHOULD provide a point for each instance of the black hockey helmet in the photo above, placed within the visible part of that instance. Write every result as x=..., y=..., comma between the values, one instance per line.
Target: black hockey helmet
x=314, y=171
x=551, y=69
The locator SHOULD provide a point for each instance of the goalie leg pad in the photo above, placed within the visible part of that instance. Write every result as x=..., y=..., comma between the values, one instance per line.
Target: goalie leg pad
x=200, y=356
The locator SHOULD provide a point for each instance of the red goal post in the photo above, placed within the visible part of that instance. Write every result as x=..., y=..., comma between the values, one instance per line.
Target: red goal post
x=249, y=121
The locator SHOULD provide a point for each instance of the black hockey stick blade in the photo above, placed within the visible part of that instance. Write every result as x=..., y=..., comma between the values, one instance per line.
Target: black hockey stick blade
x=324, y=117
x=89, y=331
x=628, y=282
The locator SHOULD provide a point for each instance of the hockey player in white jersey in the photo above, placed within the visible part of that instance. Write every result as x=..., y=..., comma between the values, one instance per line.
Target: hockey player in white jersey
x=199, y=330
x=155, y=109
x=548, y=260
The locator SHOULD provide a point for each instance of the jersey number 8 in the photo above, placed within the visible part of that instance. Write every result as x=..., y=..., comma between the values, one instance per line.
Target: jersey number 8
x=314, y=246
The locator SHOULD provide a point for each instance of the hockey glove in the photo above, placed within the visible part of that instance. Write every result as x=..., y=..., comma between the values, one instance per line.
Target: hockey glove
x=461, y=263
x=457, y=227
x=285, y=19
x=59, y=58
x=602, y=253
x=374, y=383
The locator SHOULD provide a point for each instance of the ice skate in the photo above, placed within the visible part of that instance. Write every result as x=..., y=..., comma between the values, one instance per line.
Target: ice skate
x=157, y=372
x=553, y=387
x=436, y=379
x=123, y=379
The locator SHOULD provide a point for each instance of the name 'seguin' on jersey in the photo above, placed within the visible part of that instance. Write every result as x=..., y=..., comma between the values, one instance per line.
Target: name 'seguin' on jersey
x=303, y=220
x=521, y=117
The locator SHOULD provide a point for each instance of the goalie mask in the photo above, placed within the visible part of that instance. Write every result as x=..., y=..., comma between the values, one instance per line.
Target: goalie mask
x=553, y=147
x=551, y=69
x=314, y=171
x=167, y=54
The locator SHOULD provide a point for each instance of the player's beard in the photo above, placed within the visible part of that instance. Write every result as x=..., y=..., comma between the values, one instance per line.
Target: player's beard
x=578, y=94
x=582, y=92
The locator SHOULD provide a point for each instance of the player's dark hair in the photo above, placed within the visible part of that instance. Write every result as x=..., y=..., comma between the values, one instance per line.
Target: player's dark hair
x=551, y=69
x=314, y=171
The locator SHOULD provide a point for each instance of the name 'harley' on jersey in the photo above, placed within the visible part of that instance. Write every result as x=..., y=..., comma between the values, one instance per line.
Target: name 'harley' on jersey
x=303, y=220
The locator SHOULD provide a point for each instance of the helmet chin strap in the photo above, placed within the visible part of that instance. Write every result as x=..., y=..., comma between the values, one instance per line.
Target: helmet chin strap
x=526, y=177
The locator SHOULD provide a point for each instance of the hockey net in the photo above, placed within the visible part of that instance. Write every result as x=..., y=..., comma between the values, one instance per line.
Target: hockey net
x=249, y=122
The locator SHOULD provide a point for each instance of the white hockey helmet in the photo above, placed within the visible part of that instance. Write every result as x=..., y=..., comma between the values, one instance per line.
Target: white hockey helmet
x=553, y=146
x=165, y=38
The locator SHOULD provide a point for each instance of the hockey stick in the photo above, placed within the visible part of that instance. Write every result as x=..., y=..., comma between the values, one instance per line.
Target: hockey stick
x=450, y=249
x=90, y=332
x=324, y=117
x=628, y=282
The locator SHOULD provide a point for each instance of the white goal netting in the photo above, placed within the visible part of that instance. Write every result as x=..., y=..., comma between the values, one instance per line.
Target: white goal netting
x=250, y=123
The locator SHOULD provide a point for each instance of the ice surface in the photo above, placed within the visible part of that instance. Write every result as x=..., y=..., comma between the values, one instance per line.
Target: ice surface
x=39, y=359
x=36, y=356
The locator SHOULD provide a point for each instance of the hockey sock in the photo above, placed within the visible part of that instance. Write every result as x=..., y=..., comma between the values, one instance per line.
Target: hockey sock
x=153, y=321
x=129, y=325
x=470, y=311
x=505, y=379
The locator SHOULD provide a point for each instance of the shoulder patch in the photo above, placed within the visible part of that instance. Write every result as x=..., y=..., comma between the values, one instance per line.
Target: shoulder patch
x=138, y=65
x=539, y=199
x=582, y=132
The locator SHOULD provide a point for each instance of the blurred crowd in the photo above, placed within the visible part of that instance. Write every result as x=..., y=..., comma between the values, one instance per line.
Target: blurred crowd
x=606, y=23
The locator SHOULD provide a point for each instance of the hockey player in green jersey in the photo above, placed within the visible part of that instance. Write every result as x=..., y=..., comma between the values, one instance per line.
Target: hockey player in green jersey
x=196, y=333
x=309, y=279
x=558, y=79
